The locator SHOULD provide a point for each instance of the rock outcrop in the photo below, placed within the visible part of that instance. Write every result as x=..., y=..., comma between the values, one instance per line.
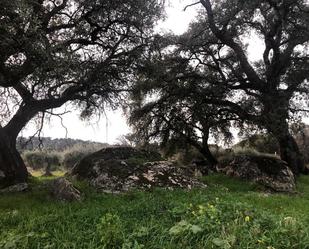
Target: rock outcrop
x=20, y=187
x=119, y=169
x=63, y=190
x=268, y=171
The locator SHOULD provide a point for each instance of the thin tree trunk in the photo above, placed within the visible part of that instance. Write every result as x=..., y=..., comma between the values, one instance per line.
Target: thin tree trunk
x=48, y=170
x=205, y=149
x=12, y=167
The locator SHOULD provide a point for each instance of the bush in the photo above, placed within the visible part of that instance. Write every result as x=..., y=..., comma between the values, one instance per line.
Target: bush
x=40, y=159
x=70, y=158
x=229, y=154
x=261, y=143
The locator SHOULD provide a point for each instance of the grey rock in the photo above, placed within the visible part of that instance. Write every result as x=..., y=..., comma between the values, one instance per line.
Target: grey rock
x=120, y=169
x=20, y=187
x=63, y=190
x=268, y=171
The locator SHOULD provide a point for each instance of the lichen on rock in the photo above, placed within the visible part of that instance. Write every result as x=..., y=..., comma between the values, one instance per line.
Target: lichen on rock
x=268, y=171
x=120, y=169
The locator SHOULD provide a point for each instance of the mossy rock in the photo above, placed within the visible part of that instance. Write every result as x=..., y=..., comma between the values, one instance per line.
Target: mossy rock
x=119, y=169
x=110, y=155
x=265, y=170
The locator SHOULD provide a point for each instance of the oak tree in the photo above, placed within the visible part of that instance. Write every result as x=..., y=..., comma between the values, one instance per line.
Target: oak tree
x=267, y=92
x=57, y=51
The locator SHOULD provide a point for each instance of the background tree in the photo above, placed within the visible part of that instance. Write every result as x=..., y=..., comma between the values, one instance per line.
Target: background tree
x=169, y=105
x=267, y=92
x=272, y=84
x=58, y=51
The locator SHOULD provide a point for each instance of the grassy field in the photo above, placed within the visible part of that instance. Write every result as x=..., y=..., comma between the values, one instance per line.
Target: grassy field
x=228, y=214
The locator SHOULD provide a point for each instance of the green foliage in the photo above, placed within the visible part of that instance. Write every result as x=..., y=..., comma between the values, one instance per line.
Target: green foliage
x=228, y=214
x=237, y=225
x=229, y=154
x=70, y=158
x=185, y=156
x=261, y=143
x=75, y=153
x=110, y=228
x=40, y=159
x=56, y=144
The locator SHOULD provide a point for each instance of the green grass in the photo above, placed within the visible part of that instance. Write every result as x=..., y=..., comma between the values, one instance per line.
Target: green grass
x=228, y=214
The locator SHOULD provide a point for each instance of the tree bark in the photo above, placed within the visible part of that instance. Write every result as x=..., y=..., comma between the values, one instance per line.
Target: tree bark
x=290, y=153
x=12, y=167
x=209, y=157
x=205, y=149
x=48, y=170
x=289, y=150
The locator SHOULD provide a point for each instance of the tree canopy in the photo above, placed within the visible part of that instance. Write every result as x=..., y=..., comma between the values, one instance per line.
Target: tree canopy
x=266, y=93
x=58, y=51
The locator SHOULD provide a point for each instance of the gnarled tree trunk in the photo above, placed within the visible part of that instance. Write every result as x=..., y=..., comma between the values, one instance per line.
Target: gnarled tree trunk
x=205, y=151
x=289, y=150
x=290, y=153
x=12, y=167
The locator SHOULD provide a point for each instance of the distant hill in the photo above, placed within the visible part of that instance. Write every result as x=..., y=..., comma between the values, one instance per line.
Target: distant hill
x=56, y=144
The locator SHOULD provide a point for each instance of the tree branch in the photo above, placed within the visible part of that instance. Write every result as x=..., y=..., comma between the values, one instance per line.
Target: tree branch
x=227, y=39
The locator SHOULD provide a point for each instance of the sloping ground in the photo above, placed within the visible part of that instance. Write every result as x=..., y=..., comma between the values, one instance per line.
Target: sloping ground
x=227, y=214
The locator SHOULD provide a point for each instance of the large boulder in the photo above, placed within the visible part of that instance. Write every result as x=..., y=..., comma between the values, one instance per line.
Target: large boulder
x=269, y=171
x=119, y=169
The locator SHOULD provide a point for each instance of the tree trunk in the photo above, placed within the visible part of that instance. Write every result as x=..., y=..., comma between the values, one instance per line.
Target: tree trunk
x=289, y=150
x=209, y=157
x=48, y=170
x=12, y=167
x=206, y=151
x=290, y=153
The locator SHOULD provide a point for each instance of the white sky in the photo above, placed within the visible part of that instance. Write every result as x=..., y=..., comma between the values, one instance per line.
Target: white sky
x=177, y=21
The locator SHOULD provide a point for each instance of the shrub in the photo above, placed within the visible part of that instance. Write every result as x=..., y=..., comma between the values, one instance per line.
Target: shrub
x=70, y=158
x=40, y=159
x=261, y=143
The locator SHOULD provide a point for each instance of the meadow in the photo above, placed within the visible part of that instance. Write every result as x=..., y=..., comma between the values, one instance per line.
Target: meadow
x=227, y=214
